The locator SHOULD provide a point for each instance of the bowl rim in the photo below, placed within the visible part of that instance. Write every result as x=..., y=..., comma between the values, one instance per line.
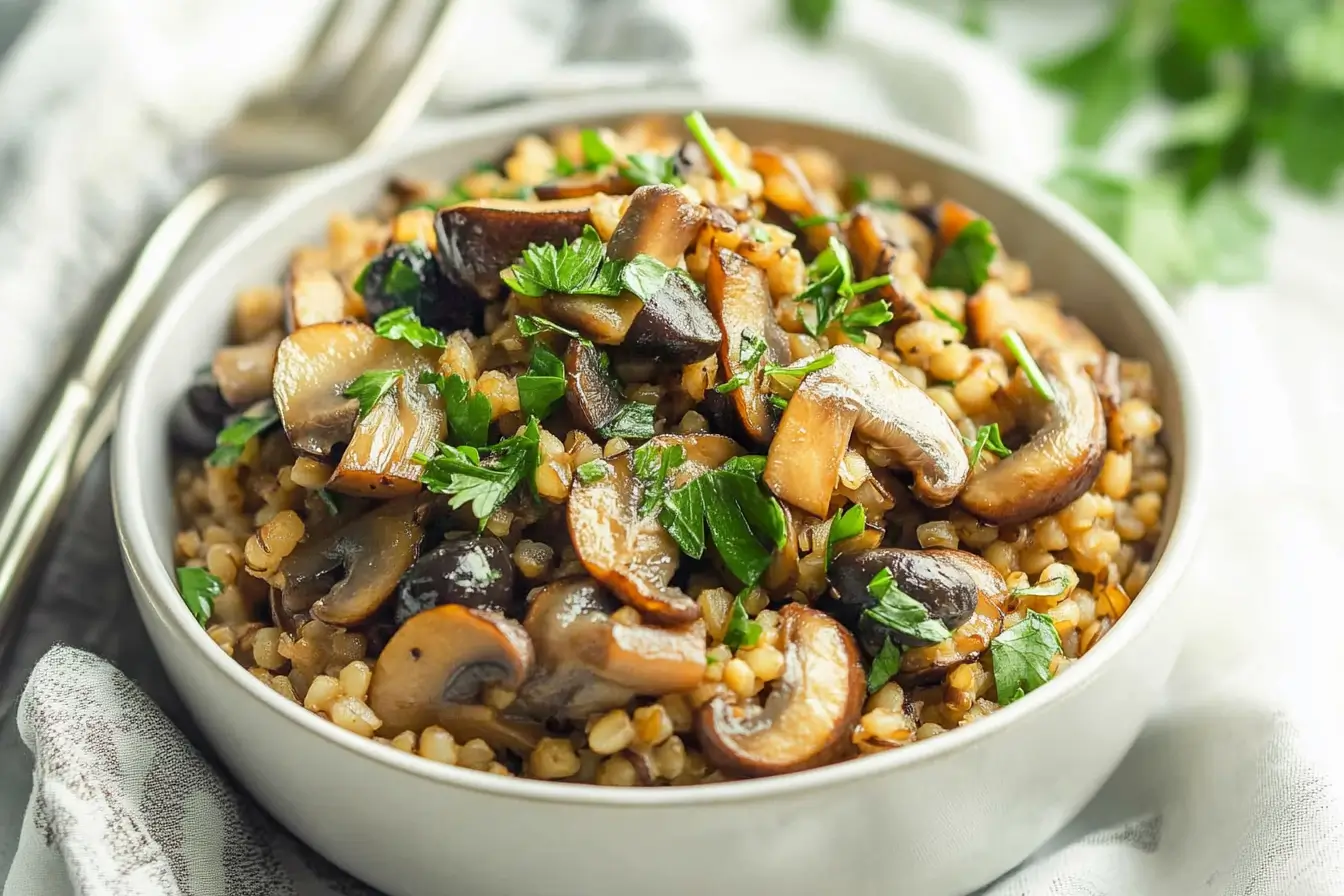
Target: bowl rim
x=158, y=588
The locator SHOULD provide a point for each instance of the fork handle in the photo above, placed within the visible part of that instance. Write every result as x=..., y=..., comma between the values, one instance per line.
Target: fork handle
x=39, y=473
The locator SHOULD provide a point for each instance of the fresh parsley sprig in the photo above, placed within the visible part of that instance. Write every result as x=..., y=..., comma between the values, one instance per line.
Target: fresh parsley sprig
x=987, y=437
x=742, y=630
x=845, y=524
x=483, y=478
x=886, y=664
x=1022, y=656
x=900, y=612
x=653, y=463
x=745, y=522
x=1049, y=588
x=593, y=471
x=750, y=352
x=577, y=268
x=866, y=317
x=533, y=325
x=232, y=439
x=948, y=319
x=1018, y=349
x=543, y=385
x=199, y=588
x=404, y=324
x=800, y=369
x=468, y=412
x=964, y=263
x=704, y=135
x=370, y=387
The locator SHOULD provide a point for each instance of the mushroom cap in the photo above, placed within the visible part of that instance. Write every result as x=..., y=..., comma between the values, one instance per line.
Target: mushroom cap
x=479, y=238
x=1062, y=458
x=592, y=393
x=472, y=570
x=878, y=240
x=924, y=664
x=861, y=394
x=433, y=669
x=806, y=719
x=942, y=585
x=739, y=295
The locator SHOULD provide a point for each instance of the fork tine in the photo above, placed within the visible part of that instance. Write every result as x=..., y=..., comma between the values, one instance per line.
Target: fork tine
x=321, y=60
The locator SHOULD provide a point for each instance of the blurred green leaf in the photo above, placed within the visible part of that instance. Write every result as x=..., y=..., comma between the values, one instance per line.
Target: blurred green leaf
x=1182, y=73
x=1275, y=19
x=1312, y=143
x=1228, y=231
x=1315, y=50
x=975, y=17
x=1216, y=24
x=811, y=17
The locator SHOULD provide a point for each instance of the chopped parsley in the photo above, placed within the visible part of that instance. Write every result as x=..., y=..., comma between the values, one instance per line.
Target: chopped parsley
x=844, y=525
x=964, y=264
x=647, y=168
x=533, y=325
x=468, y=412
x=1022, y=656
x=704, y=135
x=800, y=369
x=644, y=275
x=404, y=324
x=742, y=630
x=593, y=471
x=543, y=385
x=900, y=612
x=484, y=478
x=751, y=350
x=652, y=464
x=1018, y=348
x=370, y=387
x=577, y=268
x=779, y=402
x=199, y=589
x=831, y=286
x=1049, y=588
x=866, y=317
x=633, y=421
x=815, y=220
x=232, y=439
x=745, y=521
x=987, y=437
x=886, y=664
x=948, y=319
x=596, y=152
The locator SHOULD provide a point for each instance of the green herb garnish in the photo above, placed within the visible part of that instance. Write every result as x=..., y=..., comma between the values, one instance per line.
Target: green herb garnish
x=1022, y=656
x=987, y=437
x=644, y=275
x=886, y=664
x=404, y=324
x=530, y=326
x=468, y=412
x=329, y=501
x=199, y=589
x=593, y=471
x=370, y=387
x=742, y=630
x=814, y=220
x=577, y=268
x=1018, y=348
x=900, y=612
x=652, y=464
x=596, y=152
x=811, y=17
x=232, y=439
x=704, y=135
x=800, y=369
x=543, y=385
x=750, y=352
x=964, y=264
x=830, y=279
x=744, y=520
x=948, y=319
x=647, y=168
x=1049, y=588
x=633, y=421
x=484, y=482
x=866, y=317
x=844, y=525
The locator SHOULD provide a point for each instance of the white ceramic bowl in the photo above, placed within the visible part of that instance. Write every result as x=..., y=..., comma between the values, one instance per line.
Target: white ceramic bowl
x=938, y=818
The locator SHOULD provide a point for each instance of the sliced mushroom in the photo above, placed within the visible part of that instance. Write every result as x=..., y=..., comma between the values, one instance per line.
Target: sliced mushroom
x=480, y=238
x=861, y=394
x=806, y=720
x=739, y=296
x=588, y=663
x=920, y=665
x=471, y=570
x=346, y=576
x=585, y=183
x=877, y=246
x=632, y=555
x=407, y=275
x=315, y=366
x=941, y=585
x=1063, y=457
x=243, y=372
x=433, y=669
x=313, y=295
x=788, y=189
x=593, y=395
x=661, y=222
x=1042, y=325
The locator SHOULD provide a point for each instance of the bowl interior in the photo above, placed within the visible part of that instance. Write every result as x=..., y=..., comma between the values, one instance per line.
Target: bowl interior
x=1067, y=255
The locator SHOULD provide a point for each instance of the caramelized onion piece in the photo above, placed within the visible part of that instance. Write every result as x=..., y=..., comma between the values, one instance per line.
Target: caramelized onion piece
x=807, y=719
x=1063, y=457
x=788, y=189
x=739, y=296
x=480, y=238
x=861, y=394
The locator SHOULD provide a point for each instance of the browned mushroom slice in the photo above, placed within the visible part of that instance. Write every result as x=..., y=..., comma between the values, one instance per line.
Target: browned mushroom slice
x=630, y=554
x=313, y=368
x=593, y=395
x=739, y=295
x=788, y=189
x=861, y=394
x=588, y=663
x=313, y=295
x=1063, y=457
x=479, y=239
x=782, y=574
x=344, y=578
x=585, y=183
x=433, y=669
x=877, y=246
x=660, y=222
x=992, y=311
x=806, y=720
x=920, y=665
x=244, y=372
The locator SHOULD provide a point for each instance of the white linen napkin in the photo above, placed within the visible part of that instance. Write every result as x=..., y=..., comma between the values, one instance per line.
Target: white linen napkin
x=1235, y=788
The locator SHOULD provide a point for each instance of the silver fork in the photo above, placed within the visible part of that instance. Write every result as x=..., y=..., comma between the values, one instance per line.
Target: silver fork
x=342, y=99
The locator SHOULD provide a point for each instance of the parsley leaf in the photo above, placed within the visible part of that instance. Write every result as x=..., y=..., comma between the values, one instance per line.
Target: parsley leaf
x=329, y=501
x=596, y=152
x=779, y=402
x=370, y=387
x=751, y=350
x=745, y=521
x=484, y=483
x=543, y=384
x=886, y=664
x=830, y=281
x=865, y=317
x=987, y=437
x=644, y=275
x=1049, y=588
x=404, y=324
x=468, y=412
x=900, y=612
x=948, y=319
x=530, y=326
x=232, y=439
x=199, y=589
x=633, y=421
x=964, y=264
x=645, y=169
x=801, y=369
x=1022, y=656
x=593, y=471
x=704, y=135
x=742, y=630
x=1027, y=363
x=844, y=525
x=577, y=268
x=652, y=464
x=814, y=220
